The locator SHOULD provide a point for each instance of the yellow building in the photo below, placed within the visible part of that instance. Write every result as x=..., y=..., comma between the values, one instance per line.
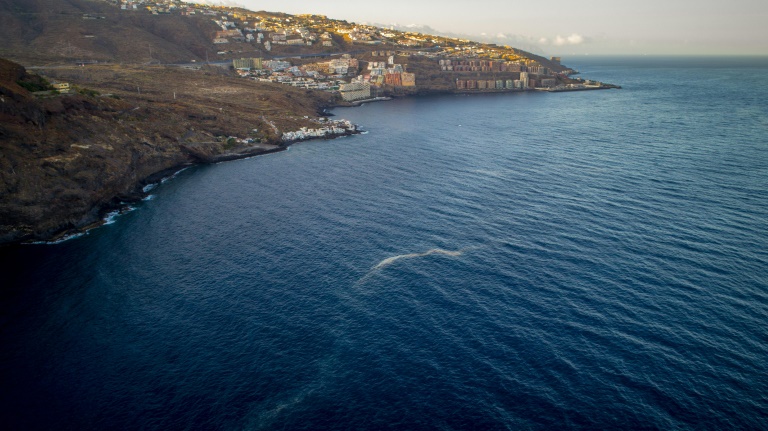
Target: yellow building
x=408, y=79
x=62, y=87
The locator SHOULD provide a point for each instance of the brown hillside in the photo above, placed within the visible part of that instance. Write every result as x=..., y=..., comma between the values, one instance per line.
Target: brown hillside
x=45, y=31
x=65, y=159
x=10, y=74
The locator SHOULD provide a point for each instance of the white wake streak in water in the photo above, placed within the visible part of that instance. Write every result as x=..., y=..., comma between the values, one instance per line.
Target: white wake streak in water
x=388, y=261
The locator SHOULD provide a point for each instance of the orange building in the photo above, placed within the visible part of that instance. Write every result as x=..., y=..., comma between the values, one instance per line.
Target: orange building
x=408, y=79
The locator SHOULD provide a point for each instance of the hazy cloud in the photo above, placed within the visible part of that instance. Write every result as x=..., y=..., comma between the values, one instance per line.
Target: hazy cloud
x=574, y=39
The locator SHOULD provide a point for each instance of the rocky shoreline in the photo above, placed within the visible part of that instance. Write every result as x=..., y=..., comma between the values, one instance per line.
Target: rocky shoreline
x=68, y=161
x=142, y=189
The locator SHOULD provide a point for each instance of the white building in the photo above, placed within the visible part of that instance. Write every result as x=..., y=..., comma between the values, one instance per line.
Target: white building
x=524, y=79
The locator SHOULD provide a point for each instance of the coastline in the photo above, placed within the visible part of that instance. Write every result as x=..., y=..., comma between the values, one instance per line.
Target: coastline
x=123, y=203
x=85, y=136
x=196, y=154
x=375, y=99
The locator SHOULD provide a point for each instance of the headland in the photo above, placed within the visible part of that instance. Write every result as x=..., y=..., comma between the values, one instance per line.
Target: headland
x=90, y=120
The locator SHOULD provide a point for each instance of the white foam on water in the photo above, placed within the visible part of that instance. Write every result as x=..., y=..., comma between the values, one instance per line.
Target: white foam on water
x=149, y=198
x=60, y=240
x=170, y=177
x=390, y=260
x=149, y=187
x=112, y=215
x=109, y=218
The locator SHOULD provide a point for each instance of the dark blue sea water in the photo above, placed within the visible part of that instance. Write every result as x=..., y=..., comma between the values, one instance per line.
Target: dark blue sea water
x=587, y=260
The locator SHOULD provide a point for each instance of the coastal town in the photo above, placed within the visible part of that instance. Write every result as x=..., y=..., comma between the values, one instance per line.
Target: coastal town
x=142, y=87
x=356, y=61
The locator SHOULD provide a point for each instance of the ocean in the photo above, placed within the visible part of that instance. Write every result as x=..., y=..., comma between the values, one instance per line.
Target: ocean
x=584, y=260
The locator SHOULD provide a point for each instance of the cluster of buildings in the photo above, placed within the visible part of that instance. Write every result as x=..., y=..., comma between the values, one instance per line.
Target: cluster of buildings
x=382, y=53
x=297, y=36
x=525, y=82
x=531, y=73
x=361, y=34
x=320, y=76
x=161, y=7
x=224, y=36
x=329, y=75
x=329, y=128
x=294, y=79
x=453, y=55
x=388, y=73
x=370, y=35
x=270, y=30
x=477, y=65
x=360, y=87
x=235, y=27
x=342, y=66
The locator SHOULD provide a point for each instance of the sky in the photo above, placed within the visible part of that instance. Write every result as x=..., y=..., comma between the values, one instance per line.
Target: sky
x=567, y=27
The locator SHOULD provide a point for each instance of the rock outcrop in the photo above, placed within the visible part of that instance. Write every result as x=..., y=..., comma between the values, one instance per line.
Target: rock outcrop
x=67, y=159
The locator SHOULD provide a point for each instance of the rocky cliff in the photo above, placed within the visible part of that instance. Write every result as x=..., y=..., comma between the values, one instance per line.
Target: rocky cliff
x=66, y=159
